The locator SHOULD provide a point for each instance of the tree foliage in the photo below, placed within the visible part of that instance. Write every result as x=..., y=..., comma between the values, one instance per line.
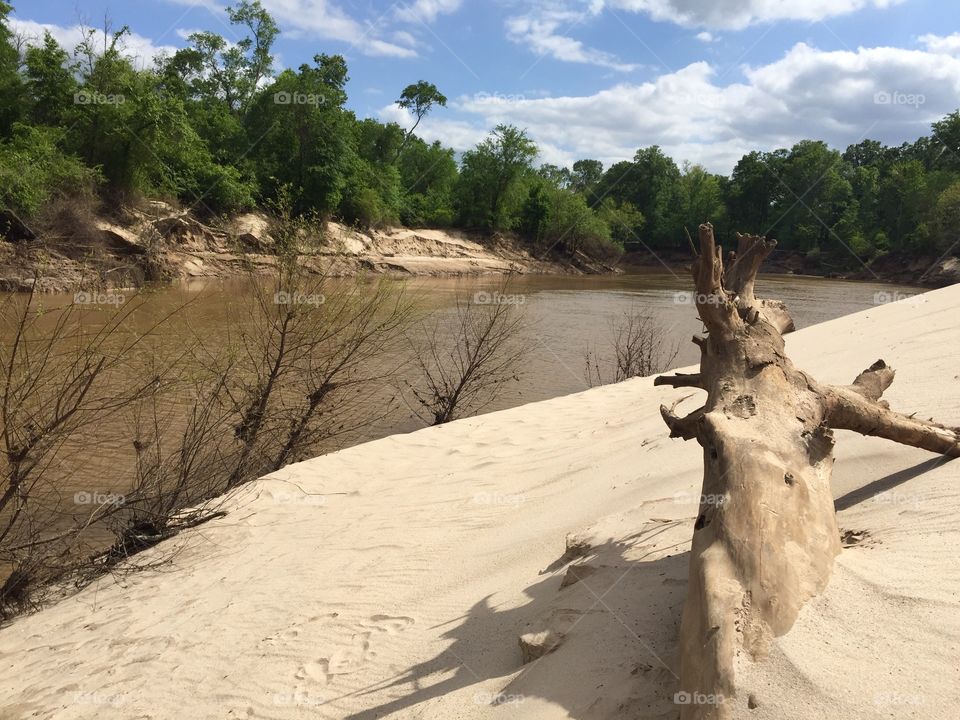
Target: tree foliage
x=215, y=127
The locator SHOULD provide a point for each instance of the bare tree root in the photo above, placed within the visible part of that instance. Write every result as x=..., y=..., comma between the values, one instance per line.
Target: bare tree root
x=768, y=544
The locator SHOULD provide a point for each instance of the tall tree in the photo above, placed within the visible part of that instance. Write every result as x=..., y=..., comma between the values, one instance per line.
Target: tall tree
x=50, y=82
x=419, y=98
x=650, y=183
x=305, y=143
x=490, y=172
x=11, y=88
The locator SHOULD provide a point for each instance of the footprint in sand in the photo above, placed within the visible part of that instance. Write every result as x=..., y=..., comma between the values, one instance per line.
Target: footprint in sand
x=343, y=661
x=354, y=656
x=294, y=629
x=388, y=624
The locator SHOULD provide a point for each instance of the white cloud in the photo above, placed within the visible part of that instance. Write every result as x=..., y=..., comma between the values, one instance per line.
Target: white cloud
x=427, y=10
x=538, y=30
x=842, y=97
x=706, y=37
x=185, y=33
x=141, y=49
x=324, y=19
x=946, y=44
x=211, y=5
x=738, y=14
x=327, y=20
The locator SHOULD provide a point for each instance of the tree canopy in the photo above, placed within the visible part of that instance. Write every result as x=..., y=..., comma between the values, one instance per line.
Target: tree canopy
x=215, y=127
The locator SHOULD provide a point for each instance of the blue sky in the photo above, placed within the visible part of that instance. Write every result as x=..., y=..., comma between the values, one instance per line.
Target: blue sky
x=706, y=79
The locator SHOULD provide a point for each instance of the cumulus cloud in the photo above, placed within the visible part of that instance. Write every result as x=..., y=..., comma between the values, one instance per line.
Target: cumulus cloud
x=427, y=10
x=542, y=31
x=375, y=33
x=738, y=14
x=368, y=35
x=889, y=94
x=141, y=49
x=946, y=44
x=706, y=37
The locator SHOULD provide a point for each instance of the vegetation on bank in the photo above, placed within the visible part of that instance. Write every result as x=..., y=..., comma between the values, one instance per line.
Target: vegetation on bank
x=215, y=127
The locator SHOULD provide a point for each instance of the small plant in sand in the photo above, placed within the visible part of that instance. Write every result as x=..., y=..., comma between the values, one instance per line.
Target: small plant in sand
x=640, y=347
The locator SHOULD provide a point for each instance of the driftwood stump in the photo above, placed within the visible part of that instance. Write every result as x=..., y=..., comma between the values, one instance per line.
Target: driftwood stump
x=766, y=533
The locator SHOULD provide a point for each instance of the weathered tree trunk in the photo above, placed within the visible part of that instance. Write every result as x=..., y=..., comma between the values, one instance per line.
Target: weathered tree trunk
x=766, y=533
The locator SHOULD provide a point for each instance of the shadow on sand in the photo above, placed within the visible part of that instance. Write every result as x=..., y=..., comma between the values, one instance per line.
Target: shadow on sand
x=626, y=614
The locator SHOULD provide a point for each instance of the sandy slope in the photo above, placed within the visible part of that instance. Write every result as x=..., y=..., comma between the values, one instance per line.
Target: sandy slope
x=393, y=579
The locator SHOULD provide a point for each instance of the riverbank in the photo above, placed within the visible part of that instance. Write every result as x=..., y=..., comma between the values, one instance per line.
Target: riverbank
x=155, y=242
x=923, y=271
x=395, y=578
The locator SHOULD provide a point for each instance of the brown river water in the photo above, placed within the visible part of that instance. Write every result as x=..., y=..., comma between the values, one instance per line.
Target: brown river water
x=565, y=317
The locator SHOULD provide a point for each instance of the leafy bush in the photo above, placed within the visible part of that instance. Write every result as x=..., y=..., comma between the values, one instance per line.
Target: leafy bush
x=35, y=170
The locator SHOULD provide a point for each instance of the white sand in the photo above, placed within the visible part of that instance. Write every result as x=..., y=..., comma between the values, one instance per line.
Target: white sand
x=393, y=579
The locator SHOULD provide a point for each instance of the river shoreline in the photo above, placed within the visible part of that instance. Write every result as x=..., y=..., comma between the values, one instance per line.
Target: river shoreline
x=157, y=243
x=924, y=271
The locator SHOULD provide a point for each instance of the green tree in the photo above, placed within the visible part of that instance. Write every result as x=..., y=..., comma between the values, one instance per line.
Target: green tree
x=557, y=176
x=947, y=218
x=903, y=205
x=815, y=208
x=35, y=171
x=11, y=87
x=50, y=82
x=752, y=192
x=650, y=183
x=585, y=177
x=306, y=142
x=624, y=220
x=489, y=176
x=213, y=69
x=699, y=198
x=534, y=213
x=420, y=98
x=428, y=176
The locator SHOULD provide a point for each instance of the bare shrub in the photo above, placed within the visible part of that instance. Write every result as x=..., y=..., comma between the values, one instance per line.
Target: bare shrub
x=641, y=347
x=466, y=359
x=64, y=371
x=68, y=224
x=293, y=373
x=315, y=350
